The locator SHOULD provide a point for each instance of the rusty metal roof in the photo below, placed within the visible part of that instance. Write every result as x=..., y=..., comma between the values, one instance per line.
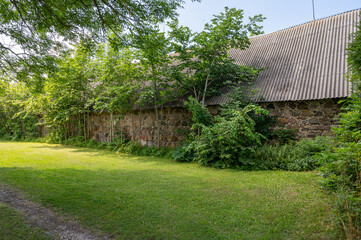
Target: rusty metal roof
x=304, y=62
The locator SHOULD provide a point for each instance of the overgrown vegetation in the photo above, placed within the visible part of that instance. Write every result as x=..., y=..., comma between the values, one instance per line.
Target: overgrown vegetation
x=148, y=68
x=240, y=138
x=34, y=32
x=342, y=169
x=15, y=122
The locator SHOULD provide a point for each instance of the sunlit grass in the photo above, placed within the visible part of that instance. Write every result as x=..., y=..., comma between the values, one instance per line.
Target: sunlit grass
x=134, y=197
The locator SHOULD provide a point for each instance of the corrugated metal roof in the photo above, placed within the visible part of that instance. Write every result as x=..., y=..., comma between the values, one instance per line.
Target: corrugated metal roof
x=304, y=62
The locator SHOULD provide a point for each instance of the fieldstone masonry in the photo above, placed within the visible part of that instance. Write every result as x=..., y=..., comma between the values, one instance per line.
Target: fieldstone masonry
x=140, y=126
x=311, y=118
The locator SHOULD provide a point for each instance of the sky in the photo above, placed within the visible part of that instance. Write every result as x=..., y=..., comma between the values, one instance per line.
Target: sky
x=280, y=14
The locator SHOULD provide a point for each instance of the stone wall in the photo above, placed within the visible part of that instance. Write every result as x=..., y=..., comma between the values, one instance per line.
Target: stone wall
x=140, y=126
x=310, y=118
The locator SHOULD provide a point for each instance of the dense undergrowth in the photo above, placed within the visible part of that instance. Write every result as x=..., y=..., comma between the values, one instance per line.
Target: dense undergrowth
x=342, y=168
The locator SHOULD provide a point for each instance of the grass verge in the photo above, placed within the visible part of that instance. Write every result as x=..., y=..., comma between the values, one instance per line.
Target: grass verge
x=132, y=197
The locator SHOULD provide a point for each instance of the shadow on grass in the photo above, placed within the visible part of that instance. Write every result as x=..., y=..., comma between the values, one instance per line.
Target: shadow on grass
x=140, y=202
x=93, y=152
x=160, y=204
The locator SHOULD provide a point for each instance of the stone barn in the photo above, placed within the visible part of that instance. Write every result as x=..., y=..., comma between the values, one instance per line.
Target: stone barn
x=304, y=78
x=305, y=73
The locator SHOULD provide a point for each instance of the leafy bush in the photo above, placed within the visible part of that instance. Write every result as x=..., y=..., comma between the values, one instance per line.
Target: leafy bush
x=349, y=128
x=342, y=175
x=284, y=136
x=239, y=98
x=230, y=141
x=15, y=122
x=200, y=115
x=297, y=156
x=234, y=139
x=342, y=167
x=185, y=153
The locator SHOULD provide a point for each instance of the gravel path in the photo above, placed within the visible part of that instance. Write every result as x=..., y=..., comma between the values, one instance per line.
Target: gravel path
x=44, y=218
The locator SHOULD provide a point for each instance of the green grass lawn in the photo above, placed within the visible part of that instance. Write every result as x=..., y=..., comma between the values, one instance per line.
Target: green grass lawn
x=134, y=197
x=13, y=226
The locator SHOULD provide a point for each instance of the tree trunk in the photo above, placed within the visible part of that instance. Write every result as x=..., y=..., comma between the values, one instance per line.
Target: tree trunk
x=79, y=124
x=206, y=84
x=23, y=128
x=157, y=122
x=88, y=124
x=133, y=136
x=65, y=132
x=140, y=123
x=84, y=126
x=111, y=128
x=121, y=132
x=155, y=104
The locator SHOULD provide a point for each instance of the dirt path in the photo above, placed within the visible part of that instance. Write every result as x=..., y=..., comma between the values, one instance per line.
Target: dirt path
x=44, y=218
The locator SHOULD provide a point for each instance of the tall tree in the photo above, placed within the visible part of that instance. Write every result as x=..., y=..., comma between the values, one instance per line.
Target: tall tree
x=31, y=31
x=203, y=58
x=154, y=49
x=118, y=77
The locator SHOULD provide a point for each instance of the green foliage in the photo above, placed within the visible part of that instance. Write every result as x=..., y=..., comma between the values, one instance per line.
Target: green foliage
x=40, y=28
x=241, y=96
x=349, y=127
x=297, y=156
x=263, y=122
x=185, y=152
x=230, y=141
x=116, y=79
x=200, y=115
x=354, y=60
x=15, y=122
x=85, y=82
x=203, y=63
x=342, y=175
x=342, y=167
x=284, y=136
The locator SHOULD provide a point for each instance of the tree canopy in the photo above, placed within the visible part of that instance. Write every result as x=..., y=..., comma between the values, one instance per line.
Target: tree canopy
x=33, y=31
x=136, y=65
x=204, y=64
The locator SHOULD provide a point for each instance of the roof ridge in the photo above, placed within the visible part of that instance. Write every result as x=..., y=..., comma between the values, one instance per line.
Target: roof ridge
x=334, y=15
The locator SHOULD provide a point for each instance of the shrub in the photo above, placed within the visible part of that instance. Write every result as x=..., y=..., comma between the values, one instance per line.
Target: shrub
x=342, y=175
x=230, y=141
x=185, y=153
x=234, y=140
x=297, y=156
x=284, y=136
x=201, y=117
x=349, y=128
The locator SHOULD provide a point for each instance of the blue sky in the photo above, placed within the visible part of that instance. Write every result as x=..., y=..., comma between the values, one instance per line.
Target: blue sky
x=280, y=14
